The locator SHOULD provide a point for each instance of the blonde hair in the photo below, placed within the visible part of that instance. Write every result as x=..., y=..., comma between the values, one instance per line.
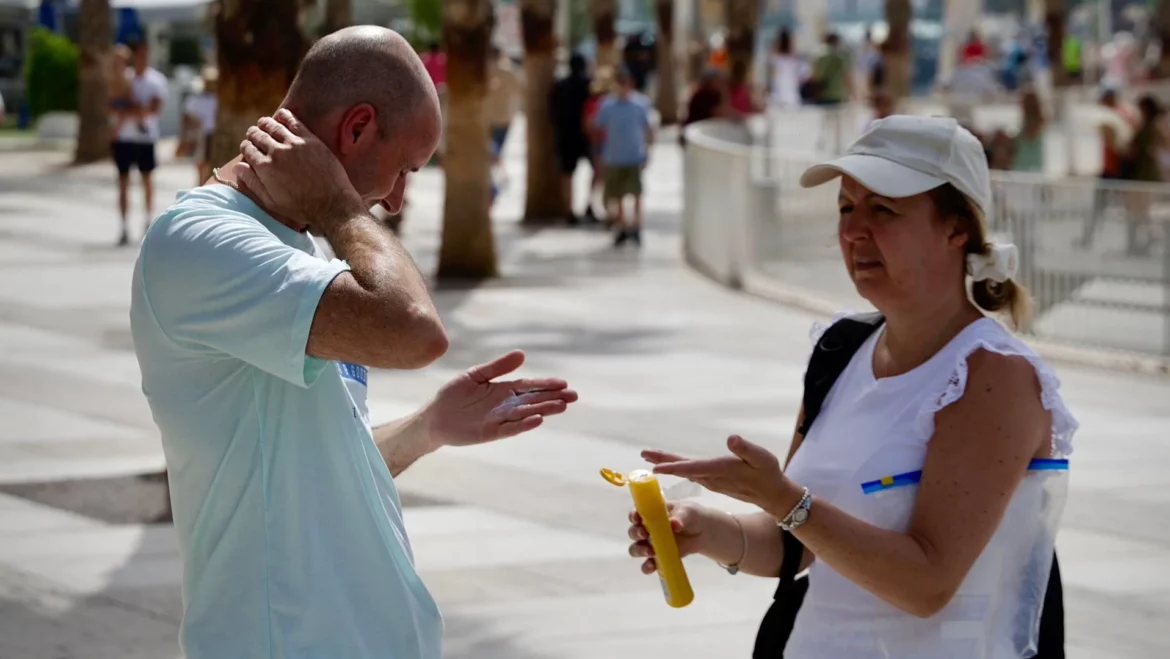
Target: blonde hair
x=1010, y=297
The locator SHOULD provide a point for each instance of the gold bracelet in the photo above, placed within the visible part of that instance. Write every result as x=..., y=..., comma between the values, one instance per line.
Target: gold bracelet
x=734, y=567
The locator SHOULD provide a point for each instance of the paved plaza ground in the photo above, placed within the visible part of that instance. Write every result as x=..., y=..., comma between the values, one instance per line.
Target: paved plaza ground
x=521, y=542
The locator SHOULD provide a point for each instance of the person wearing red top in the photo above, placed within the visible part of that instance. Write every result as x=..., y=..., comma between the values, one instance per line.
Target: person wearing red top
x=739, y=93
x=600, y=87
x=973, y=50
x=435, y=62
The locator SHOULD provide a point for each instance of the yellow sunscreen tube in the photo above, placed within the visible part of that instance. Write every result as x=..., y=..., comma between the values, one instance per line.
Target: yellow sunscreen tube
x=651, y=505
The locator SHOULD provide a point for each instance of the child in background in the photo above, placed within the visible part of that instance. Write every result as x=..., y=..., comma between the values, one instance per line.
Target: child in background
x=121, y=103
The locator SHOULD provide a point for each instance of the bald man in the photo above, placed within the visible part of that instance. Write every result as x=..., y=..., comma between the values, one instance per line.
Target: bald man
x=255, y=353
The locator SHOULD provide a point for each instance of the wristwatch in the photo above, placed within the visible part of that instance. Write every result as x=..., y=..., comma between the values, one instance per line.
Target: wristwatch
x=799, y=514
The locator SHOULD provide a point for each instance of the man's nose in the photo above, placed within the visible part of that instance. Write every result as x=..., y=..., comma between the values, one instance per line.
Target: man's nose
x=393, y=203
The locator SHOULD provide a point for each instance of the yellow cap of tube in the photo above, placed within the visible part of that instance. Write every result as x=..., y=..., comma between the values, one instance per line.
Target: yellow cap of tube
x=651, y=506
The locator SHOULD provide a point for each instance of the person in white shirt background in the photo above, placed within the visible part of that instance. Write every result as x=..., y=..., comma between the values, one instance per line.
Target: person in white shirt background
x=787, y=73
x=134, y=145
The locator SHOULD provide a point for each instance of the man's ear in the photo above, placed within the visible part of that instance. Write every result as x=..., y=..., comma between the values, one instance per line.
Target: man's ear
x=358, y=125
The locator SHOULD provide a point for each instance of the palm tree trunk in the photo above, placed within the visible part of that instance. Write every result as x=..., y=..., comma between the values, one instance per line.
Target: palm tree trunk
x=1054, y=25
x=338, y=14
x=259, y=44
x=468, y=249
x=604, y=13
x=743, y=18
x=897, y=59
x=94, y=36
x=667, y=101
x=544, y=203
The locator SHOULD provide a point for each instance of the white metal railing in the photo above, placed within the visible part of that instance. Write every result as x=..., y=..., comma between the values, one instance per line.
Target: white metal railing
x=1094, y=253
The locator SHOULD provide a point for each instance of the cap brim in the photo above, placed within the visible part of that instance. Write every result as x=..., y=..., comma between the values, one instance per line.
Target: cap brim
x=885, y=177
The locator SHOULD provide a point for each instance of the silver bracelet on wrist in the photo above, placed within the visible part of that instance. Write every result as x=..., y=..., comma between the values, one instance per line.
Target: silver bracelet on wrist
x=733, y=568
x=799, y=513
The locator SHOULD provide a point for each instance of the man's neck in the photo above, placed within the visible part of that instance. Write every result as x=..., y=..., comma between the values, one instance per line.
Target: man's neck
x=226, y=175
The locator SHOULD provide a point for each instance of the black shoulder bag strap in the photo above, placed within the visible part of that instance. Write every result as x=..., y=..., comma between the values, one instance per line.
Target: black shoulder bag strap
x=830, y=358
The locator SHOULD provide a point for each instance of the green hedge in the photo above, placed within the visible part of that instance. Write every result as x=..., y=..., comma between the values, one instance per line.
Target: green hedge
x=186, y=51
x=51, y=76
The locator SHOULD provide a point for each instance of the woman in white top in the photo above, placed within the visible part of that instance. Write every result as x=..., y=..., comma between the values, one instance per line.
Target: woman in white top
x=787, y=73
x=928, y=525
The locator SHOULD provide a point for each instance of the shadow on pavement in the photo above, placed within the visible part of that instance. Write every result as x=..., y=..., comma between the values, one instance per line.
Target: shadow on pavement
x=136, y=614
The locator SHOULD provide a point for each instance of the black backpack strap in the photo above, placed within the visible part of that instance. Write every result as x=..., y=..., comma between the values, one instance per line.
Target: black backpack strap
x=1050, y=641
x=829, y=359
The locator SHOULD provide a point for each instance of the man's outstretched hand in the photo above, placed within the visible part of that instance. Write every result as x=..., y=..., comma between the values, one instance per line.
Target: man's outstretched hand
x=474, y=408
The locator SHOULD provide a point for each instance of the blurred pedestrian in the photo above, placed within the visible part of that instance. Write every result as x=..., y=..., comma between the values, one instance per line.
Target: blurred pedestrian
x=567, y=103
x=1143, y=164
x=138, y=133
x=118, y=86
x=708, y=100
x=869, y=65
x=624, y=118
x=1028, y=145
x=201, y=109
x=882, y=105
x=833, y=87
x=600, y=88
x=973, y=49
x=500, y=106
x=435, y=62
x=638, y=57
x=786, y=72
x=739, y=90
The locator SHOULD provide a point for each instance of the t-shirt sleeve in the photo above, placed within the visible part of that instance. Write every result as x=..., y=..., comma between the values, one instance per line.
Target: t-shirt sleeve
x=226, y=284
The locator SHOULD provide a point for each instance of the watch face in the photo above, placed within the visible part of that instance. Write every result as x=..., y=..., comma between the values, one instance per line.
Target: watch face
x=800, y=516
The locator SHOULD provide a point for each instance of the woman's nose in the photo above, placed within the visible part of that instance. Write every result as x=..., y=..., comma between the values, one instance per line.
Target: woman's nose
x=854, y=227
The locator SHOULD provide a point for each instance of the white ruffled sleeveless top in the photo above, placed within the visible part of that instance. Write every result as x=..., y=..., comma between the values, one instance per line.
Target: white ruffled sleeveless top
x=864, y=454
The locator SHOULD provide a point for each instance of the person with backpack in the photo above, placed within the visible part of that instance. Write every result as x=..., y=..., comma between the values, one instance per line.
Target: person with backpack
x=926, y=478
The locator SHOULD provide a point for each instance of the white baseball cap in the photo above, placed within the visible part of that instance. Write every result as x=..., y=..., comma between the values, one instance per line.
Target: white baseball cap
x=902, y=156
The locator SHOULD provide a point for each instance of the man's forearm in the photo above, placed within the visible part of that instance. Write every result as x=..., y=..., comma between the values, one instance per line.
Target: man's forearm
x=377, y=260
x=387, y=317
x=404, y=441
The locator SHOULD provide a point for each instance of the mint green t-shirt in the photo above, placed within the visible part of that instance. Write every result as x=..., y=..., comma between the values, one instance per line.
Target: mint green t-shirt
x=289, y=525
